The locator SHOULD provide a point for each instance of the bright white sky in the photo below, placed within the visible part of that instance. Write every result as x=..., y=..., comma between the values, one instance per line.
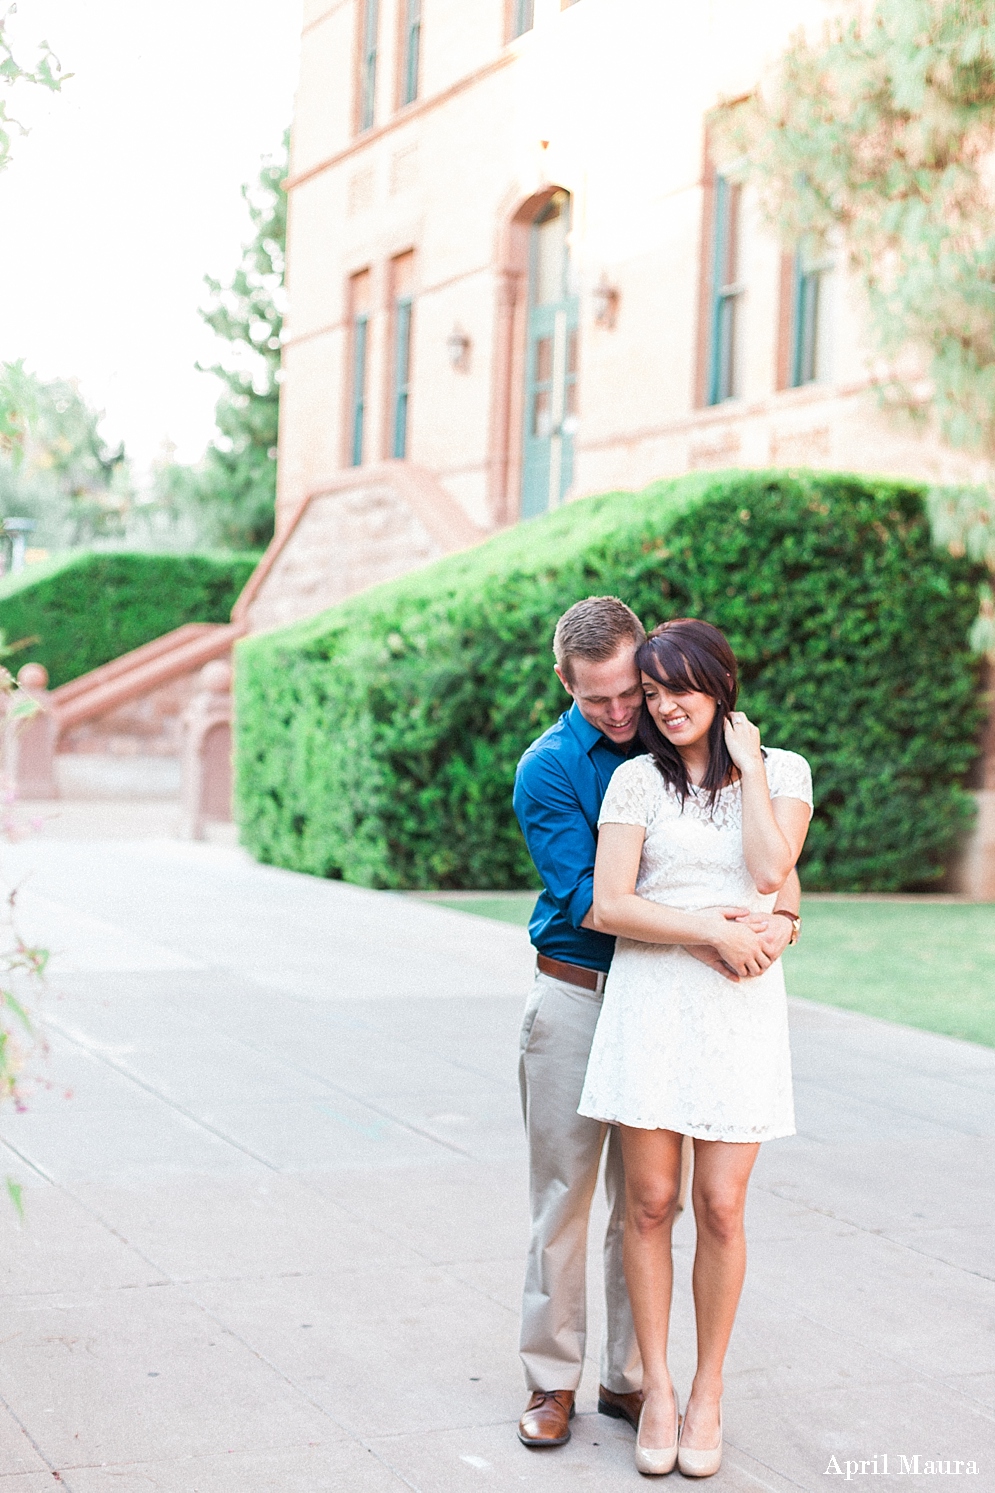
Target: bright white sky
x=126, y=193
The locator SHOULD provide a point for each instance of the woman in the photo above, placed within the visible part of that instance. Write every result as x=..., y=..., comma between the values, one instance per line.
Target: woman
x=707, y=817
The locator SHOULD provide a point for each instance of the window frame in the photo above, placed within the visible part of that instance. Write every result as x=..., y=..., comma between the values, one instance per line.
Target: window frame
x=403, y=317
x=359, y=307
x=726, y=292
x=357, y=388
x=409, y=52
x=401, y=296
x=808, y=324
x=805, y=325
x=521, y=17
x=367, y=58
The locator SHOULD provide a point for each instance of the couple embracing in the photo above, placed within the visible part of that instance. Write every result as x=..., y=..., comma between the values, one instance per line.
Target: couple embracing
x=666, y=838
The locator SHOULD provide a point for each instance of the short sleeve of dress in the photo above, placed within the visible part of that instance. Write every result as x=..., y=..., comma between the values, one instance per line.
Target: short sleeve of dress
x=633, y=794
x=789, y=776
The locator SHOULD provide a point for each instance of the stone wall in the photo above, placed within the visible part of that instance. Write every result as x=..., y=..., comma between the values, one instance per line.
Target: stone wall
x=358, y=528
x=148, y=726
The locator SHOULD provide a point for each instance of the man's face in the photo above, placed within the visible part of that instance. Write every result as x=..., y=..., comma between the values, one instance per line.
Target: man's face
x=609, y=695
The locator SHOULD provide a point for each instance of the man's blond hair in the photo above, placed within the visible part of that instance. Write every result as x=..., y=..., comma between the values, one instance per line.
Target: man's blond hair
x=595, y=629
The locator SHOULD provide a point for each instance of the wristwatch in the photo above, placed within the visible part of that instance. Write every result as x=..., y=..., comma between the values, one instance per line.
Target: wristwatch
x=796, y=923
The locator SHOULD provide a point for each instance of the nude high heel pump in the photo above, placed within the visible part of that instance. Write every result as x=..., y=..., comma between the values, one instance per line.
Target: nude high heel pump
x=657, y=1461
x=695, y=1463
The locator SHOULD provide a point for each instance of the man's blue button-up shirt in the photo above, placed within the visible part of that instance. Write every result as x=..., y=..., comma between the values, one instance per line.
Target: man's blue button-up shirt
x=559, y=786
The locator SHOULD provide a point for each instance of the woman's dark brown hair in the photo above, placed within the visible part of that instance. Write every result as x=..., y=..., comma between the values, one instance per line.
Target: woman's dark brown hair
x=690, y=655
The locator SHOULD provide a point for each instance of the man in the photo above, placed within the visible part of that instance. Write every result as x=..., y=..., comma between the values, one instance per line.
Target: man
x=559, y=786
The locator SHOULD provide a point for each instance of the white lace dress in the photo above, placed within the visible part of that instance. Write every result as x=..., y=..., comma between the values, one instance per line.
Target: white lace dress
x=678, y=1047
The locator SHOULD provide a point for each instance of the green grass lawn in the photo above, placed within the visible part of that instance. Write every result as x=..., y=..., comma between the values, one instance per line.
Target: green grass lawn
x=927, y=965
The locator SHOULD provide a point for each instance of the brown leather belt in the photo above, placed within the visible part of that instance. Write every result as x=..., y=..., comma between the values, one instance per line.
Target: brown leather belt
x=572, y=974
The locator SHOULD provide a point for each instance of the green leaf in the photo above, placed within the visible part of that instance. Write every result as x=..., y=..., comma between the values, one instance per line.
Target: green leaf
x=12, y=1004
x=16, y=1194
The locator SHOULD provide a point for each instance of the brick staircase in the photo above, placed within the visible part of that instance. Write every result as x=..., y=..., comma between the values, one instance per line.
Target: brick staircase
x=176, y=654
x=118, y=731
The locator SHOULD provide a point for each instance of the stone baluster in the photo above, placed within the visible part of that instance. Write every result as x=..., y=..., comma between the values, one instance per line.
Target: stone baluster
x=207, y=742
x=32, y=740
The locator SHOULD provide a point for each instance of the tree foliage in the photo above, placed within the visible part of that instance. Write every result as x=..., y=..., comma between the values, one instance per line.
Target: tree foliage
x=231, y=494
x=878, y=138
x=55, y=466
x=46, y=73
x=83, y=609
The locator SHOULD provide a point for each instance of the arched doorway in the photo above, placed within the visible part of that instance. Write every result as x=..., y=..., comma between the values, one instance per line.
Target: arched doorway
x=550, y=362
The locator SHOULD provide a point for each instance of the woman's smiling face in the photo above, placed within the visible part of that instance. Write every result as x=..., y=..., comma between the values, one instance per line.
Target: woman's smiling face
x=682, y=716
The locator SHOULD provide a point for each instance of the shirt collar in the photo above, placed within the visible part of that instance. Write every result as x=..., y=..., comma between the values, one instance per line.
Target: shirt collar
x=589, y=736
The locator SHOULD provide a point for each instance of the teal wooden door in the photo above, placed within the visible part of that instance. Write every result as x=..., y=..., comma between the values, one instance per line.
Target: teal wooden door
x=550, y=364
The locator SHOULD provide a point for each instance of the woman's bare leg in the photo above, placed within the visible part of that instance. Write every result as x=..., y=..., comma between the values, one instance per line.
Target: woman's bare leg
x=652, y=1186
x=721, y=1176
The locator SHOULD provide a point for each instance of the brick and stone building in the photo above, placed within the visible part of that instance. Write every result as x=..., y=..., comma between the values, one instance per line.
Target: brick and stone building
x=515, y=277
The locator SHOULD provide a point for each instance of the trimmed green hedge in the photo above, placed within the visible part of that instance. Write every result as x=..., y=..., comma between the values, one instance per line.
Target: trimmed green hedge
x=378, y=742
x=88, y=607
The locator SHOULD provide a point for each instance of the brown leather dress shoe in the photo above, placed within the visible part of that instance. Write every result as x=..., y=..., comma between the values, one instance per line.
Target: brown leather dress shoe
x=545, y=1419
x=620, y=1407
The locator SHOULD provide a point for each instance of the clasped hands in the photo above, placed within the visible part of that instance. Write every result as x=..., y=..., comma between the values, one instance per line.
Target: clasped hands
x=745, y=943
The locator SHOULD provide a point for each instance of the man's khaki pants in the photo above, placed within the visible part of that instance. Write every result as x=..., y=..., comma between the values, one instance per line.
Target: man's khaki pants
x=564, y=1154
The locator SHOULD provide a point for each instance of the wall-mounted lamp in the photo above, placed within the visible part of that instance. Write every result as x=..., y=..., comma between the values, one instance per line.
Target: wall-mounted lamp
x=605, y=299
x=458, y=349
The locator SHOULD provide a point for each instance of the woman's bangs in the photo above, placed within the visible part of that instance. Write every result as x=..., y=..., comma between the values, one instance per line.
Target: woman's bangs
x=664, y=662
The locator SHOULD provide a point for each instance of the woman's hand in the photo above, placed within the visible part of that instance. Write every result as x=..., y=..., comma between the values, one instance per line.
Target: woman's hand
x=777, y=937
x=739, y=945
x=706, y=954
x=773, y=833
x=743, y=742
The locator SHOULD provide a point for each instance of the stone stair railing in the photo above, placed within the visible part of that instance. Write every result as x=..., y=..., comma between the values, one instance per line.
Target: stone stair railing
x=198, y=652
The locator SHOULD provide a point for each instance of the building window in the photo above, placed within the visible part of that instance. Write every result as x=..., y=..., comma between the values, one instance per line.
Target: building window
x=808, y=328
x=551, y=362
x=368, y=63
x=727, y=292
x=410, y=49
x=359, y=336
x=402, y=276
x=522, y=16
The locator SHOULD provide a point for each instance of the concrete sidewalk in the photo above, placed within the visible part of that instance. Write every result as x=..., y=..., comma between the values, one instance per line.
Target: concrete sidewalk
x=275, y=1236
